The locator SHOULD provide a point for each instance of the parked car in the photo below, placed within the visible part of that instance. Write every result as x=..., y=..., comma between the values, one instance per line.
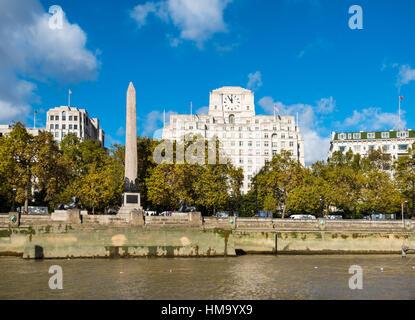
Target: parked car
x=165, y=214
x=35, y=210
x=264, y=214
x=302, y=217
x=150, y=213
x=222, y=214
x=334, y=217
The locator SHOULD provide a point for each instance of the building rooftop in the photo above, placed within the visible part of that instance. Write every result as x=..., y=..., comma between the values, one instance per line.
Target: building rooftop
x=393, y=134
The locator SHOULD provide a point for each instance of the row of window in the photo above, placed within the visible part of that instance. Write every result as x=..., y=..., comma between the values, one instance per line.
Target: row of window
x=191, y=127
x=358, y=148
x=232, y=121
x=371, y=135
x=70, y=127
x=57, y=134
x=258, y=144
x=70, y=118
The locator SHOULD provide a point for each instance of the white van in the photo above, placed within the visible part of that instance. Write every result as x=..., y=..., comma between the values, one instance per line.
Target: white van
x=302, y=217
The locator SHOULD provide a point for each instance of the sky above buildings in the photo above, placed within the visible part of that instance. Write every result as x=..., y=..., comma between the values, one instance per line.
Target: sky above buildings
x=298, y=54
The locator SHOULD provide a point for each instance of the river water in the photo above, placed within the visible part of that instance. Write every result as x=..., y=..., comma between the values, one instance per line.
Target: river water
x=243, y=277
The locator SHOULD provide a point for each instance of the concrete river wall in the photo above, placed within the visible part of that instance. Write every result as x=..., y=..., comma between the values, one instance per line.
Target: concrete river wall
x=67, y=234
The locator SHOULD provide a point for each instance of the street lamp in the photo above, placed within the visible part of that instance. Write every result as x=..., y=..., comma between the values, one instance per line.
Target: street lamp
x=321, y=208
x=13, y=203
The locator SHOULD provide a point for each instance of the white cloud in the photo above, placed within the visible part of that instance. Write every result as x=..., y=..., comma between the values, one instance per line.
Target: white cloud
x=202, y=110
x=326, y=105
x=255, y=81
x=197, y=21
x=111, y=141
x=316, y=145
x=29, y=48
x=318, y=43
x=406, y=75
x=120, y=132
x=373, y=119
x=154, y=123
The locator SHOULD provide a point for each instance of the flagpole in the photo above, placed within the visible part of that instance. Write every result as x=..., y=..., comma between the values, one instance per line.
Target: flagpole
x=34, y=119
x=191, y=110
x=164, y=118
x=399, y=113
x=69, y=99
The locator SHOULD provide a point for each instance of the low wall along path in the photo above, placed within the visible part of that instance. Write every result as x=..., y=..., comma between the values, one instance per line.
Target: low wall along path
x=68, y=234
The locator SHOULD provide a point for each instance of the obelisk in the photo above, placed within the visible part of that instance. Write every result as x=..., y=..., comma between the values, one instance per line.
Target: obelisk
x=131, y=137
x=131, y=192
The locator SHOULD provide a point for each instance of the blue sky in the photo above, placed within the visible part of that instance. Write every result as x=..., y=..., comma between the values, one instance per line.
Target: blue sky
x=299, y=54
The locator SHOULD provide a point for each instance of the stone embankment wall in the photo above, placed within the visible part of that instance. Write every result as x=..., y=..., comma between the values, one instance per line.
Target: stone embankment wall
x=67, y=234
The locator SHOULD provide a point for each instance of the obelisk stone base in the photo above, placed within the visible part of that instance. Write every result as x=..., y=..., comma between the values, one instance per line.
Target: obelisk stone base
x=130, y=202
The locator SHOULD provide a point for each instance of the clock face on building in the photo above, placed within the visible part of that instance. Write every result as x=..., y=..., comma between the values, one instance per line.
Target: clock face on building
x=231, y=102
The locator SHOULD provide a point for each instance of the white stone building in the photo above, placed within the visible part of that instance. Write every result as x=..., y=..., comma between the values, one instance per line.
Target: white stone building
x=249, y=140
x=63, y=120
x=6, y=129
x=395, y=143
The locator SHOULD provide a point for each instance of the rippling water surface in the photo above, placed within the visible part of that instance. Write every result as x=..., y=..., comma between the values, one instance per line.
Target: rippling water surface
x=245, y=277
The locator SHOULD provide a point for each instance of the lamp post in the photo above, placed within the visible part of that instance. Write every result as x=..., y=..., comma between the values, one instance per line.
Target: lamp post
x=321, y=208
x=13, y=202
x=406, y=204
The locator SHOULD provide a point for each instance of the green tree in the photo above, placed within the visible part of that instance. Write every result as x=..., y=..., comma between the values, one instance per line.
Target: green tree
x=277, y=180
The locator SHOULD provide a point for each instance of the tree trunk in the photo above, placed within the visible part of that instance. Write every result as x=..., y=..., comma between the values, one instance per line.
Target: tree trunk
x=26, y=202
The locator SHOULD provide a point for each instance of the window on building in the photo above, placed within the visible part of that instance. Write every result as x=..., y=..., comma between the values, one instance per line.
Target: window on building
x=56, y=126
x=241, y=143
x=231, y=118
x=266, y=144
x=63, y=115
x=274, y=144
x=342, y=148
x=266, y=152
x=52, y=118
x=386, y=147
x=371, y=135
x=349, y=136
x=266, y=136
x=403, y=134
x=57, y=118
x=56, y=134
x=75, y=126
x=356, y=148
x=51, y=126
x=356, y=135
x=274, y=152
x=342, y=136
x=70, y=127
x=371, y=147
x=70, y=118
x=385, y=135
x=75, y=118
x=249, y=143
x=63, y=126
x=403, y=147
x=291, y=144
